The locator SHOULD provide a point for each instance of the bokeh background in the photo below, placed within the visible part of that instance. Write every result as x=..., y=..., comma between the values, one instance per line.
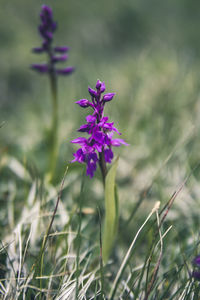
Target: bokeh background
x=148, y=52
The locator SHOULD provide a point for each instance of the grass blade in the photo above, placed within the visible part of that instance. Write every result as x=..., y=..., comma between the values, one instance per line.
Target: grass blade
x=111, y=212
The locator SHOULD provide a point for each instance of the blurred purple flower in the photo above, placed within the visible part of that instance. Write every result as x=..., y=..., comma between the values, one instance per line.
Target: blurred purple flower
x=65, y=71
x=196, y=263
x=100, y=140
x=42, y=68
x=46, y=30
x=62, y=49
x=196, y=275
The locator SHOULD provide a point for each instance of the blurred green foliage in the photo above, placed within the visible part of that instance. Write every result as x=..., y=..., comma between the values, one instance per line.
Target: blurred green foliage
x=118, y=41
x=146, y=51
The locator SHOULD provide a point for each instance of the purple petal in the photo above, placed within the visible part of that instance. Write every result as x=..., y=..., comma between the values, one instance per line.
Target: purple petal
x=102, y=122
x=62, y=49
x=99, y=137
x=93, y=156
x=88, y=148
x=108, y=97
x=59, y=58
x=118, y=142
x=80, y=140
x=104, y=119
x=91, y=164
x=84, y=103
x=116, y=130
x=41, y=68
x=65, y=71
x=110, y=134
x=98, y=147
x=79, y=156
x=110, y=127
x=90, y=119
x=108, y=155
x=85, y=128
x=91, y=168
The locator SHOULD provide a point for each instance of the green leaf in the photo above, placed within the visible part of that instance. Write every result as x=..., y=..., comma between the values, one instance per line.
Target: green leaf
x=111, y=212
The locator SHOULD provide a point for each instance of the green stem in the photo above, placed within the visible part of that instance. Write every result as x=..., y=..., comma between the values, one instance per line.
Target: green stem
x=102, y=164
x=54, y=126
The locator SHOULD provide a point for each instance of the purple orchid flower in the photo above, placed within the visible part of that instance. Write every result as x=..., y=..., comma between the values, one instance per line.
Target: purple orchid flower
x=196, y=263
x=97, y=148
x=55, y=54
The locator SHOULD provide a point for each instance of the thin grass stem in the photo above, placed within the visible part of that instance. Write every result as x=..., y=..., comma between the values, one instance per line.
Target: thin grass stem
x=78, y=237
x=123, y=265
x=155, y=271
x=38, y=263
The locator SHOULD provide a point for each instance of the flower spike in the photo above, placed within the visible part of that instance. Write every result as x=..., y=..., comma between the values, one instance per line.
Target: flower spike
x=55, y=54
x=97, y=148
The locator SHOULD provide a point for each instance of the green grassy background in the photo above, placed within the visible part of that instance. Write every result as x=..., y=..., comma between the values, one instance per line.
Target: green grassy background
x=148, y=52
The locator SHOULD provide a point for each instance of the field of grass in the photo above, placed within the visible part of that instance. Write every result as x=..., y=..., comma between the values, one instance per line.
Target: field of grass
x=148, y=53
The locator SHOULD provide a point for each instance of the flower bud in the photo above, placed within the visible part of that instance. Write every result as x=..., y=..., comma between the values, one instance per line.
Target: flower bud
x=92, y=92
x=98, y=84
x=65, y=71
x=61, y=49
x=42, y=68
x=103, y=87
x=84, y=103
x=108, y=97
